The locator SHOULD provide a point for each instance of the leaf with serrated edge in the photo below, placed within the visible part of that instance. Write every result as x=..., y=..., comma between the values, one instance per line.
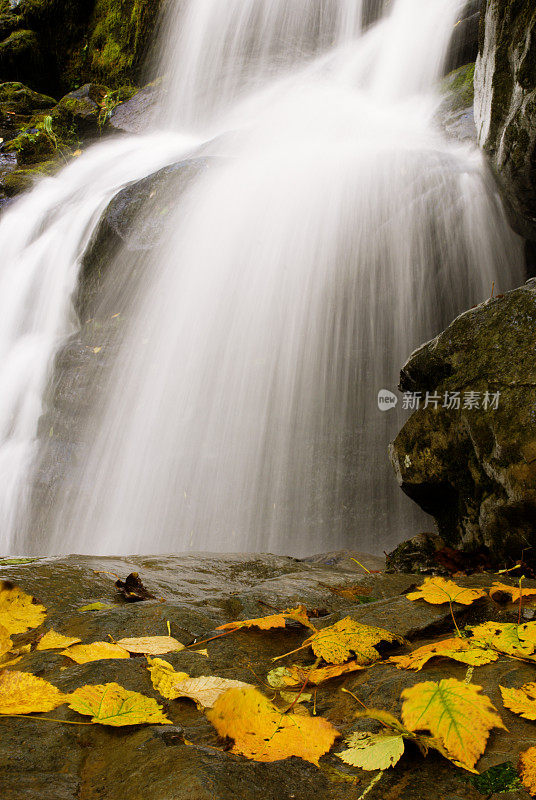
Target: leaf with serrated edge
x=206, y=689
x=438, y=591
x=5, y=641
x=112, y=704
x=297, y=675
x=456, y=649
x=164, y=677
x=55, y=641
x=521, y=701
x=98, y=651
x=514, y=591
x=263, y=733
x=527, y=770
x=502, y=636
x=18, y=611
x=24, y=693
x=298, y=614
x=455, y=713
x=336, y=643
x=151, y=645
x=372, y=751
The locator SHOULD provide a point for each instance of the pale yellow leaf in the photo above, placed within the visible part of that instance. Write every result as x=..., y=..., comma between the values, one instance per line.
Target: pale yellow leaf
x=372, y=751
x=24, y=693
x=18, y=611
x=151, y=645
x=98, y=651
x=55, y=641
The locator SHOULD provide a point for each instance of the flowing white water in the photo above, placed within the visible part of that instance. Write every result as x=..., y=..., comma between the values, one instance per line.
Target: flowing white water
x=335, y=231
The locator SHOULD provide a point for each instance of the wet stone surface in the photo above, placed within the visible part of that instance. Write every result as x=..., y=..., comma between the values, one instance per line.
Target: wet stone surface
x=186, y=761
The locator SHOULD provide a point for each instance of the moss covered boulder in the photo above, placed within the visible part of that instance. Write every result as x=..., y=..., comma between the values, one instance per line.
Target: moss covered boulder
x=471, y=461
x=505, y=106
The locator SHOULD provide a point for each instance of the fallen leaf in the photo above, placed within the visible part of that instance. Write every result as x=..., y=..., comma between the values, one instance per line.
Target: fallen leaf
x=151, y=645
x=98, y=651
x=111, y=704
x=164, y=677
x=455, y=713
x=336, y=643
x=527, y=770
x=499, y=590
x=297, y=675
x=19, y=611
x=24, y=693
x=55, y=641
x=521, y=701
x=372, y=751
x=504, y=637
x=262, y=733
x=132, y=589
x=457, y=649
x=5, y=641
x=6, y=661
x=205, y=690
x=298, y=614
x=438, y=591
x=96, y=607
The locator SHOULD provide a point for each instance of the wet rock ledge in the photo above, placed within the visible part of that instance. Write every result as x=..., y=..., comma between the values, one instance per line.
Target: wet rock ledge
x=195, y=594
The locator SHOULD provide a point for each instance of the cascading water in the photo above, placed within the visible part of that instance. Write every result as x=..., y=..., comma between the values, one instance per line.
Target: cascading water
x=334, y=231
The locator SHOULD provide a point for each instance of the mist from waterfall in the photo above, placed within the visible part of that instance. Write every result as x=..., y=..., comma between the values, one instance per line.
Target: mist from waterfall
x=333, y=230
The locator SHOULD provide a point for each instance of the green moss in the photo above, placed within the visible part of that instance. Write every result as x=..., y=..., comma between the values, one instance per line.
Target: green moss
x=501, y=778
x=459, y=87
x=17, y=98
x=20, y=180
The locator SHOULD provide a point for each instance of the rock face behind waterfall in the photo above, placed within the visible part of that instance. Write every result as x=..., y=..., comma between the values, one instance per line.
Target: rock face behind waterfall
x=474, y=469
x=505, y=106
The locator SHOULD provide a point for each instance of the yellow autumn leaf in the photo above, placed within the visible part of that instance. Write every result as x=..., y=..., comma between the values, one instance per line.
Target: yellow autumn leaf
x=521, y=701
x=98, y=651
x=527, y=770
x=513, y=592
x=297, y=675
x=6, y=661
x=455, y=713
x=262, y=733
x=457, y=649
x=504, y=637
x=205, y=690
x=438, y=591
x=298, y=614
x=112, y=704
x=55, y=641
x=18, y=611
x=5, y=641
x=372, y=751
x=24, y=693
x=336, y=643
x=151, y=645
x=164, y=677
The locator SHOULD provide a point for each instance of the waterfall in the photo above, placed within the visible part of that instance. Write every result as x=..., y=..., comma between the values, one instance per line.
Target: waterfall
x=334, y=231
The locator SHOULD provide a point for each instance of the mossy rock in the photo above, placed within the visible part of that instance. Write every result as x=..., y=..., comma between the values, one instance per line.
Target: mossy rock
x=21, y=180
x=17, y=98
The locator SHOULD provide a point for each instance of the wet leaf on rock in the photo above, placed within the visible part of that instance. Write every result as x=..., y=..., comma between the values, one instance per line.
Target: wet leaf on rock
x=455, y=713
x=19, y=611
x=438, y=591
x=263, y=733
x=24, y=693
x=151, y=645
x=336, y=643
x=297, y=675
x=527, y=770
x=205, y=690
x=372, y=751
x=521, y=701
x=457, y=649
x=56, y=641
x=112, y=704
x=98, y=651
x=164, y=677
x=298, y=614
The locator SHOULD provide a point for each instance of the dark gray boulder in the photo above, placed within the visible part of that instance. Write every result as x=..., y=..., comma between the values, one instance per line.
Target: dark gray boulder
x=474, y=468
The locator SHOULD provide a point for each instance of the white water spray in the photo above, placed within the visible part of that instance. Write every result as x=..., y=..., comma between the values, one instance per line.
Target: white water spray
x=335, y=231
